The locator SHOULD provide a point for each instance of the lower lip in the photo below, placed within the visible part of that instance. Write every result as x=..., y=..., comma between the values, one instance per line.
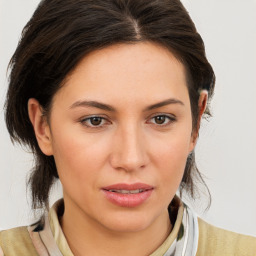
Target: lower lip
x=127, y=200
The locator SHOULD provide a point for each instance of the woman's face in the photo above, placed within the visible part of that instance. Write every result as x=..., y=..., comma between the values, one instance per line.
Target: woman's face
x=120, y=132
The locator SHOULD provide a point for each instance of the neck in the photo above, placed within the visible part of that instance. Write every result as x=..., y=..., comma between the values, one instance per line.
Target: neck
x=85, y=236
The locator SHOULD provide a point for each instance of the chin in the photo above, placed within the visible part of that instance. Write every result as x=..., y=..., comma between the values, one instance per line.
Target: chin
x=128, y=222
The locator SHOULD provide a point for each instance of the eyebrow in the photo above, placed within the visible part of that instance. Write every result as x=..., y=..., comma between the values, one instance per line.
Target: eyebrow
x=94, y=104
x=164, y=103
x=103, y=106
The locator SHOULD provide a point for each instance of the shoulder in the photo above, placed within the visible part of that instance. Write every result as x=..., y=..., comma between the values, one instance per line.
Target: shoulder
x=16, y=241
x=215, y=241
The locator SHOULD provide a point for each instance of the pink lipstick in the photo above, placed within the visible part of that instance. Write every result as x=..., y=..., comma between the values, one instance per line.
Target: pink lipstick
x=128, y=195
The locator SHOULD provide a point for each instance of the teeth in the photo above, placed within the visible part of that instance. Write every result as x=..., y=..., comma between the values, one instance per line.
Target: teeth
x=122, y=191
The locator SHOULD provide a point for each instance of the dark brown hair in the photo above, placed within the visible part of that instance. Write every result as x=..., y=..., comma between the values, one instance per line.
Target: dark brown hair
x=61, y=32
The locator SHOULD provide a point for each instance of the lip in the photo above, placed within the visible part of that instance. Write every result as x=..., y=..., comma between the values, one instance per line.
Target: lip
x=128, y=200
x=125, y=186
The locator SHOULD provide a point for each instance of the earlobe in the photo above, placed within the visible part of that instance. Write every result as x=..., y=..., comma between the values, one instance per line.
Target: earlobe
x=41, y=126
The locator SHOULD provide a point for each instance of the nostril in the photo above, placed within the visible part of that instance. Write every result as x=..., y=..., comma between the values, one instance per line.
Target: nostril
x=128, y=164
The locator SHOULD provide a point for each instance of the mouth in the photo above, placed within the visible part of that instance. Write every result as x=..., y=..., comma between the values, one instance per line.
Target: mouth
x=123, y=191
x=128, y=195
x=138, y=187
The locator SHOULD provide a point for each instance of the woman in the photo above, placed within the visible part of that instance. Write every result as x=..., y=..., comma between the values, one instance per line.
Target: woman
x=109, y=96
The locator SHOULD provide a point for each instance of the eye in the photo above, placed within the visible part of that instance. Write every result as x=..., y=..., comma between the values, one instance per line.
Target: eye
x=94, y=121
x=162, y=120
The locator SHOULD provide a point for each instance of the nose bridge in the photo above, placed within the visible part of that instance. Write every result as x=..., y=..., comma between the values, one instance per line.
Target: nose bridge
x=129, y=147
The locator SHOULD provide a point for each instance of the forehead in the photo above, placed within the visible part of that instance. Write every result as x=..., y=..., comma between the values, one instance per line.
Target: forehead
x=142, y=71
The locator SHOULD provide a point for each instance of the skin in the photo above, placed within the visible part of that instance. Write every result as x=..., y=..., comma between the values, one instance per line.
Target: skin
x=127, y=145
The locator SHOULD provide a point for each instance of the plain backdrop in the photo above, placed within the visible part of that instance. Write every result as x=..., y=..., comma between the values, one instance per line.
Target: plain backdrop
x=226, y=151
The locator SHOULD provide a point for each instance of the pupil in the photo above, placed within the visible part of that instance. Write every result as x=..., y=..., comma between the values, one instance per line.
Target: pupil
x=160, y=119
x=95, y=120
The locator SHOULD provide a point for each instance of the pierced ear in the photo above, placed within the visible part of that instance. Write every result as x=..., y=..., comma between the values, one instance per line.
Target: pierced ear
x=41, y=126
x=202, y=103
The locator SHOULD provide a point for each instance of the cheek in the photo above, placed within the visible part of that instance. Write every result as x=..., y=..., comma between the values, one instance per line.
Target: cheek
x=77, y=155
x=173, y=163
x=170, y=158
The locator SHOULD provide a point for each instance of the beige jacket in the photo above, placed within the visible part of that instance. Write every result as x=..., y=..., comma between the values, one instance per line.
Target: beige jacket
x=213, y=241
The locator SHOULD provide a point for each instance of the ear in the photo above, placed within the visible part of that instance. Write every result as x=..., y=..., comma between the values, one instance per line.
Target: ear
x=41, y=126
x=202, y=103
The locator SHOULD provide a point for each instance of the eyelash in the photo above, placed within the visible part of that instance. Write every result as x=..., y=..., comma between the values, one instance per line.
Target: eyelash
x=169, y=118
x=85, y=121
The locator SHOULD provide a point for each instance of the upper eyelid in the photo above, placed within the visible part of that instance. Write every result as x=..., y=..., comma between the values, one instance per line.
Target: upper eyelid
x=171, y=118
x=106, y=119
x=103, y=116
x=162, y=114
x=91, y=116
x=83, y=121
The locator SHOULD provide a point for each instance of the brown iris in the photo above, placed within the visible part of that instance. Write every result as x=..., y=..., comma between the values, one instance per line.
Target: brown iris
x=160, y=119
x=95, y=120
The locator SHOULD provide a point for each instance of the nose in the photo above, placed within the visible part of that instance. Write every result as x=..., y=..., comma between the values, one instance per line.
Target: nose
x=129, y=149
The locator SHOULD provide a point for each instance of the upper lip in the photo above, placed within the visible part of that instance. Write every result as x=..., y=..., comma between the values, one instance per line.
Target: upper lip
x=124, y=186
